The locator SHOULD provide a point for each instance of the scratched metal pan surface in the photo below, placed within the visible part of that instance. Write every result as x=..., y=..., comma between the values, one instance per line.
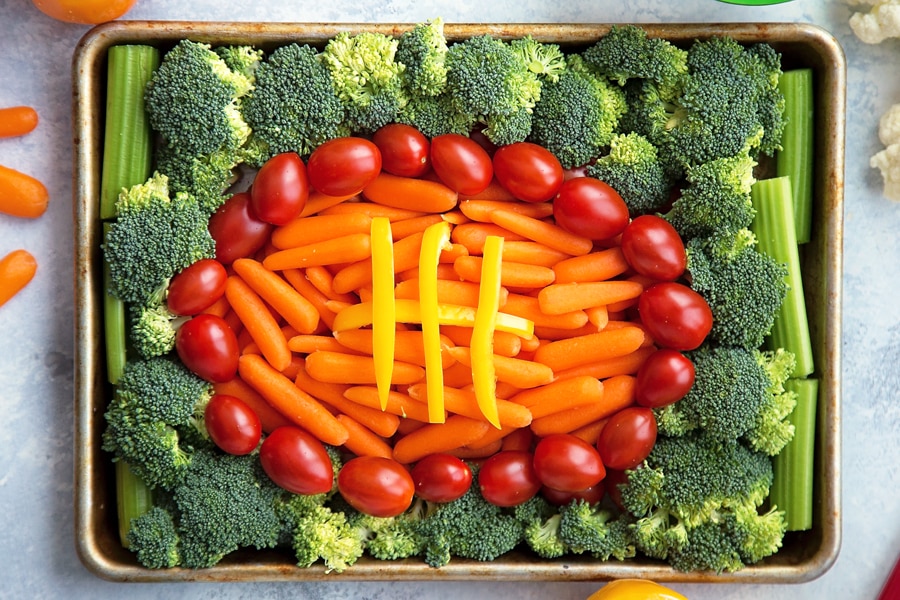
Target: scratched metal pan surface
x=804, y=556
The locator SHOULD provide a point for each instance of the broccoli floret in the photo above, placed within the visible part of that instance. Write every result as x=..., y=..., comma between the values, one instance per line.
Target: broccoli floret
x=728, y=103
x=225, y=502
x=390, y=538
x=772, y=430
x=367, y=76
x=632, y=168
x=743, y=287
x=545, y=60
x=243, y=60
x=591, y=528
x=206, y=178
x=488, y=80
x=627, y=53
x=435, y=115
x=733, y=389
x=542, y=536
x=502, y=130
x=294, y=106
x=696, y=503
x=577, y=115
x=154, y=539
x=153, y=326
x=317, y=532
x=154, y=420
x=716, y=200
x=192, y=100
x=153, y=237
x=423, y=51
x=469, y=527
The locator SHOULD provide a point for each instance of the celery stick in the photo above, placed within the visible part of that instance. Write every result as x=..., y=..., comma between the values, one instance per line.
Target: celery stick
x=792, y=489
x=134, y=498
x=795, y=159
x=114, y=328
x=773, y=226
x=128, y=143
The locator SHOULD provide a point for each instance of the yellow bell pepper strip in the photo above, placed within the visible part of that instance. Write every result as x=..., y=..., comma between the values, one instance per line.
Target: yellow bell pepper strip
x=436, y=238
x=384, y=324
x=354, y=316
x=484, y=377
x=635, y=589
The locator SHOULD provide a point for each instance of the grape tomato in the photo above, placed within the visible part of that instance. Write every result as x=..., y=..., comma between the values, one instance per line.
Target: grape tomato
x=508, y=478
x=196, y=287
x=652, y=247
x=529, y=172
x=627, y=438
x=676, y=316
x=238, y=233
x=461, y=163
x=665, y=378
x=567, y=463
x=207, y=346
x=590, y=208
x=441, y=478
x=404, y=150
x=376, y=486
x=297, y=461
x=233, y=426
x=280, y=189
x=343, y=166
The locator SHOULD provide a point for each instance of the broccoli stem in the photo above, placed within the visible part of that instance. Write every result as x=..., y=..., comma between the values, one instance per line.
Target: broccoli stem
x=134, y=498
x=773, y=225
x=795, y=159
x=113, y=327
x=128, y=143
x=792, y=488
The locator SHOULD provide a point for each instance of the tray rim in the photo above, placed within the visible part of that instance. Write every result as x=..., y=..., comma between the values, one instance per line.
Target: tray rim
x=106, y=562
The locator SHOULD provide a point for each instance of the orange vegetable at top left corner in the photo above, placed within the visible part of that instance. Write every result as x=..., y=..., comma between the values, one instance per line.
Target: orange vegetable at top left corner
x=86, y=12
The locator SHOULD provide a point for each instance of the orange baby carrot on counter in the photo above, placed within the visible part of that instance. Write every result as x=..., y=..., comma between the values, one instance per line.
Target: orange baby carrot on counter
x=411, y=194
x=391, y=213
x=17, y=120
x=22, y=195
x=295, y=404
x=532, y=253
x=17, y=269
x=258, y=322
x=455, y=432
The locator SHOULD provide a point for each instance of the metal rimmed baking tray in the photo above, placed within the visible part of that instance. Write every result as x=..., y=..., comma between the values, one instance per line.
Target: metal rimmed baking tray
x=804, y=556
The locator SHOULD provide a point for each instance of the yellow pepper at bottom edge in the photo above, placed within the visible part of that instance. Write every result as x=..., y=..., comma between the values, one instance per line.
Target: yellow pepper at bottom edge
x=635, y=589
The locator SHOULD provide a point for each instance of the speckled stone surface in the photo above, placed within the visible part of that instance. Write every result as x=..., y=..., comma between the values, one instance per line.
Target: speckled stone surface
x=36, y=356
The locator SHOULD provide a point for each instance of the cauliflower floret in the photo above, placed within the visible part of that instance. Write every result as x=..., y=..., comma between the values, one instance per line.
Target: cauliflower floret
x=888, y=161
x=889, y=126
x=880, y=23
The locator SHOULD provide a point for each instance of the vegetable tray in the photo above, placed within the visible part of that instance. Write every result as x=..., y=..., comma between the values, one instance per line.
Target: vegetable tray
x=804, y=556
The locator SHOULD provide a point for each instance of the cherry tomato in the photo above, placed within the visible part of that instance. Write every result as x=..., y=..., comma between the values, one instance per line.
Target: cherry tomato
x=237, y=231
x=280, y=189
x=404, y=150
x=232, y=424
x=615, y=478
x=676, y=316
x=590, y=208
x=197, y=287
x=376, y=486
x=529, y=172
x=627, y=438
x=86, y=12
x=296, y=461
x=575, y=172
x=343, y=166
x=208, y=347
x=461, y=163
x=591, y=495
x=484, y=141
x=441, y=478
x=508, y=478
x=567, y=463
x=664, y=378
x=652, y=247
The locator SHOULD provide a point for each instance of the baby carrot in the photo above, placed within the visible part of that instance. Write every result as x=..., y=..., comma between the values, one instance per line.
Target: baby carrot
x=17, y=120
x=407, y=227
x=455, y=432
x=270, y=418
x=258, y=322
x=473, y=235
x=344, y=249
x=528, y=307
x=544, y=232
x=298, y=280
x=309, y=230
x=398, y=404
x=409, y=347
x=17, y=269
x=295, y=404
x=521, y=373
x=362, y=441
x=561, y=298
x=505, y=343
x=391, y=213
x=309, y=343
x=627, y=364
x=584, y=349
x=494, y=192
x=317, y=202
x=359, y=273
x=598, y=316
x=383, y=423
x=342, y=367
x=479, y=449
x=520, y=439
x=463, y=402
x=22, y=195
x=299, y=312
x=219, y=308
x=450, y=291
x=532, y=253
x=410, y=193
x=590, y=432
x=559, y=395
x=596, y=266
x=618, y=393
x=480, y=210
x=323, y=281
x=512, y=274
